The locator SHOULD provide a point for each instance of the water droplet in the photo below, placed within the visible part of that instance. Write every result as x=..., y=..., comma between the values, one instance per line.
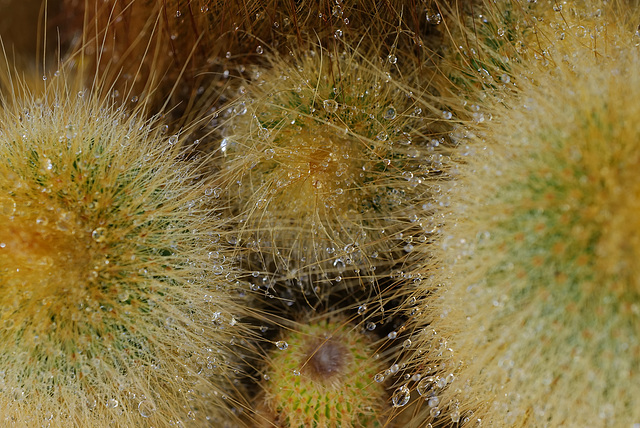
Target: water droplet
x=259, y=50
x=338, y=33
x=401, y=396
x=296, y=372
x=99, y=234
x=330, y=106
x=146, y=408
x=7, y=205
x=447, y=115
x=433, y=401
x=392, y=335
x=282, y=345
x=425, y=385
x=362, y=309
x=18, y=394
x=406, y=343
x=371, y=326
x=382, y=136
x=379, y=377
x=433, y=18
x=505, y=78
x=240, y=109
x=390, y=113
x=123, y=296
x=392, y=58
x=173, y=139
x=112, y=403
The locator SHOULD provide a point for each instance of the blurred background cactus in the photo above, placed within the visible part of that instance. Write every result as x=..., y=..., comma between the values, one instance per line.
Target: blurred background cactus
x=530, y=307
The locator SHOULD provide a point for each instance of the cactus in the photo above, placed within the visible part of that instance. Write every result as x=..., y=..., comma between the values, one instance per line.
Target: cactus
x=322, y=375
x=325, y=157
x=534, y=319
x=116, y=305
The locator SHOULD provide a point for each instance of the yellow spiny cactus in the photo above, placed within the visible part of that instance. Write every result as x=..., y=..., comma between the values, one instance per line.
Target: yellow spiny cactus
x=116, y=304
x=325, y=157
x=532, y=303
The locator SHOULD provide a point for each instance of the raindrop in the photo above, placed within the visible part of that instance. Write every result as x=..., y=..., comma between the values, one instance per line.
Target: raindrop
x=379, y=377
x=18, y=394
x=338, y=33
x=330, y=106
x=112, y=403
x=382, y=136
x=401, y=396
x=146, y=408
x=282, y=345
x=296, y=372
x=99, y=234
x=425, y=385
x=362, y=309
x=7, y=205
x=392, y=59
x=392, y=335
x=259, y=50
x=371, y=326
x=447, y=115
x=433, y=401
x=173, y=139
x=433, y=18
x=390, y=113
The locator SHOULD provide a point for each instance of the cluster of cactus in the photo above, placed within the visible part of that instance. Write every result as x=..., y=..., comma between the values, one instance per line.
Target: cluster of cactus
x=321, y=214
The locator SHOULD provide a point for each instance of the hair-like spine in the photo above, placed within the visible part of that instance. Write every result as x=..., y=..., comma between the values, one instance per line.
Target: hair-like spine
x=117, y=306
x=529, y=313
